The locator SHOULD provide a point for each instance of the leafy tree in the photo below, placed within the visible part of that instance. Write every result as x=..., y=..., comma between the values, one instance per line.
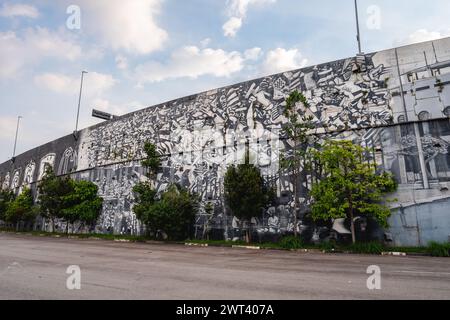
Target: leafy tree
x=209, y=211
x=82, y=204
x=173, y=214
x=246, y=193
x=144, y=197
x=144, y=192
x=53, y=193
x=296, y=130
x=21, y=209
x=349, y=185
x=152, y=161
x=6, y=197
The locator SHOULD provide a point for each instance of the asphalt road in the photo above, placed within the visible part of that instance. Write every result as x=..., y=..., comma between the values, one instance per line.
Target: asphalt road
x=35, y=268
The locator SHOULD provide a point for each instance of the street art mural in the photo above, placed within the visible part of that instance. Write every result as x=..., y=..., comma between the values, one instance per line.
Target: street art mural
x=68, y=162
x=29, y=173
x=15, y=184
x=47, y=161
x=394, y=102
x=5, y=182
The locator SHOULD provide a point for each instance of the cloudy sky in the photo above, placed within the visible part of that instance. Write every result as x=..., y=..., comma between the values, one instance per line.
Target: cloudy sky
x=143, y=52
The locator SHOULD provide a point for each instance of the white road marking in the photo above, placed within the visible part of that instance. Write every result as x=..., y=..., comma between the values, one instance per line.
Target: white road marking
x=424, y=272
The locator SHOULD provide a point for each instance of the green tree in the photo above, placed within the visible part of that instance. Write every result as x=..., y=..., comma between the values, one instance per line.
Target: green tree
x=83, y=204
x=296, y=131
x=144, y=192
x=349, y=185
x=144, y=197
x=53, y=191
x=6, y=197
x=152, y=161
x=21, y=209
x=173, y=214
x=246, y=193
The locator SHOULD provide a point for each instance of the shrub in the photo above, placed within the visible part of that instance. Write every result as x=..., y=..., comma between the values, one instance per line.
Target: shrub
x=246, y=193
x=368, y=248
x=291, y=243
x=22, y=209
x=6, y=197
x=349, y=185
x=82, y=204
x=439, y=249
x=174, y=214
x=53, y=191
x=327, y=246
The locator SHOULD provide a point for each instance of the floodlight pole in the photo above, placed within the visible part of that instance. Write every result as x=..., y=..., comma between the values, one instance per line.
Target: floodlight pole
x=17, y=133
x=79, y=101
x=358, y=34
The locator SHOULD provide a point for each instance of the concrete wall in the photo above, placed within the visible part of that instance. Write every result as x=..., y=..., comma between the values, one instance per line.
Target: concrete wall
x=359, y=98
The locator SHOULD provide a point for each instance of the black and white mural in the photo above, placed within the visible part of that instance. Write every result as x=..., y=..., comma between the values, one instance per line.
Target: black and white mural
x=395, y=102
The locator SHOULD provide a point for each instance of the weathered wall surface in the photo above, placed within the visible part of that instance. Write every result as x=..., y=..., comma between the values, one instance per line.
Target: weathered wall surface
x=406, y=123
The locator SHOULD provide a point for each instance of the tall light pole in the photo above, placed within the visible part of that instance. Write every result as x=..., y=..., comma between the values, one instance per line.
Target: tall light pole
x=17, y=133
x=79, y=102
x=358, y=34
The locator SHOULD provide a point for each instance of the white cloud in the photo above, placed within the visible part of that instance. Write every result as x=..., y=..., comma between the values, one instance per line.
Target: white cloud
x=125, y=25
x=34, y=45
x=192, y=62
x=27, y=133
x=422, y=35
x=56, y=82
x=121, y=62
x=52, y=44
x=280, y=60
x=94, y=83
x=12, y=56
x=205, y=42
x=237, y=12
x=116, y=109
x=253, y=54
x=18, y=10
x=8, y=125
x=232, y=26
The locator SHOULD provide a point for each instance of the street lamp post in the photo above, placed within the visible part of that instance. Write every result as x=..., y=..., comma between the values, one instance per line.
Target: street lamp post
x=17, y=133
x=358, y=35
x=79, y=102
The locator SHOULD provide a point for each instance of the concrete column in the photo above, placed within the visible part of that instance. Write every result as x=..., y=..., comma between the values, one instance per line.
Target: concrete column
x=401, y=158
x=423, y=167
x=432, y=163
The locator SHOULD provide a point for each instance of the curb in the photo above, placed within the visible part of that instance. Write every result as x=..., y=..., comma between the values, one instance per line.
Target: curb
x=396, y=254
x=121, y=240
x=246, y=247
x=303, y=250
x=190, y=244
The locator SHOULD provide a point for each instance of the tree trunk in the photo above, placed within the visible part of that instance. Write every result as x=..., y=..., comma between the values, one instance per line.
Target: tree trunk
x=350, y=209
x=296, y=202
x=352, y=223
x=67, y=228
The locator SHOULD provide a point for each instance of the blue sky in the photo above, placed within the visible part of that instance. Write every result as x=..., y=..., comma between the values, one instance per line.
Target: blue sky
x=142, y=52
